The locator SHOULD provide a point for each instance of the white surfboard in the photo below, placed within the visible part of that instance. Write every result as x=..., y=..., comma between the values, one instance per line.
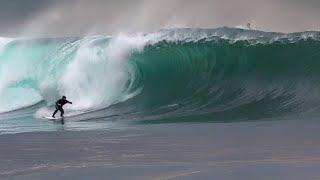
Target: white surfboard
x=52, y=118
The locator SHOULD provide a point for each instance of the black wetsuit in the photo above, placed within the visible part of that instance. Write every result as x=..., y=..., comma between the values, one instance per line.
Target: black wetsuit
x=59, y=105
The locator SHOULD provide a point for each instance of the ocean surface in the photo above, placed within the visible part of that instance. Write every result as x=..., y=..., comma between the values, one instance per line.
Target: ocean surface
x=166, y=76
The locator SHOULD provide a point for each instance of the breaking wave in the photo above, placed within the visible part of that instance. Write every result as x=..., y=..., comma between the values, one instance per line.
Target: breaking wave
x=223, y=74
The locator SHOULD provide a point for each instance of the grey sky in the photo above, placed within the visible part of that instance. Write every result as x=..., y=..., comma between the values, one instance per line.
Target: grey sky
x=82, y=17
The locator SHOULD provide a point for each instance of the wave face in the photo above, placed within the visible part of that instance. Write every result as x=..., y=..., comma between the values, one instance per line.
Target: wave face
x=222, y=74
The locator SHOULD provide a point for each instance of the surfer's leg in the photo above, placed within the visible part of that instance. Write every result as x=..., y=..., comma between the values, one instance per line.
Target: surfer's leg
x=62, y=111
x=54, y=113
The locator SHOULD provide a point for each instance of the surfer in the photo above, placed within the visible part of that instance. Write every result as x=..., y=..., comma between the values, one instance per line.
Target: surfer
x=59, y=105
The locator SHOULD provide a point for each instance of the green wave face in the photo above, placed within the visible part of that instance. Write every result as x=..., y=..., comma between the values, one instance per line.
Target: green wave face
x=168, y=76
x=223, y=80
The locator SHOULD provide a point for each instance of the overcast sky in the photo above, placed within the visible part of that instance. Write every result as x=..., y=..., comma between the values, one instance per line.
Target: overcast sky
x=83, y=17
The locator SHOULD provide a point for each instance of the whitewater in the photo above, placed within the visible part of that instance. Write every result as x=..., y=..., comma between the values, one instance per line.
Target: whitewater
x=166, y=76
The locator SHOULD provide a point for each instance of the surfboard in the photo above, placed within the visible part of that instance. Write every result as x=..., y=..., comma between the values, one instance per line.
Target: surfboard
x=52, y=118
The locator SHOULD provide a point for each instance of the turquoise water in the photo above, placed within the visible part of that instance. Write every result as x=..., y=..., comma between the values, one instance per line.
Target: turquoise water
x=177, y=75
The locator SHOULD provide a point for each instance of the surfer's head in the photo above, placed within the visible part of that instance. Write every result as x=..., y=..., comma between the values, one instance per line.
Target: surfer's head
x=64, y=97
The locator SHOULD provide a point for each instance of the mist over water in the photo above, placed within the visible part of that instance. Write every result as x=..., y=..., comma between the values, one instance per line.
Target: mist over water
x=65, y=18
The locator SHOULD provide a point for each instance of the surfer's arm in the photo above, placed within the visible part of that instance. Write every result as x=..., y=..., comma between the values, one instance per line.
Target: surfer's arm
x=69, y=102
x=58, y=103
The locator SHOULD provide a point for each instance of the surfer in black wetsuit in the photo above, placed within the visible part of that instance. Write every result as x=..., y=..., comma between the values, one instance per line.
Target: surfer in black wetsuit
x=59, y=105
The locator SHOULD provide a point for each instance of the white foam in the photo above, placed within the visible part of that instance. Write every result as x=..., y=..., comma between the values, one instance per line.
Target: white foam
x=98, y=77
